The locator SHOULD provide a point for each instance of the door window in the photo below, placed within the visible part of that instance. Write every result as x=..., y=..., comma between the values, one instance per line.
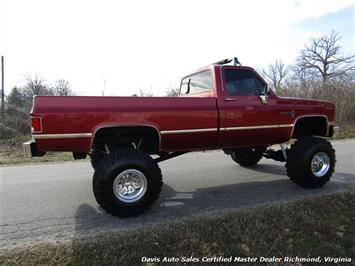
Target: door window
x=241, y=82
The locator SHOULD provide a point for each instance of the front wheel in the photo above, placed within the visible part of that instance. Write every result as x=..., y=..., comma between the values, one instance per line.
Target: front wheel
x=127, y=183
x=247, y=156
x=310, y=162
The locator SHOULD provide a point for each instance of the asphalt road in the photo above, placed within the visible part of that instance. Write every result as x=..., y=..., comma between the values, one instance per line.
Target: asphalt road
x=54, y=201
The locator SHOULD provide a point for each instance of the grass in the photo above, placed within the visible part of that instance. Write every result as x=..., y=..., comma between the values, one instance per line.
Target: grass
x=11, y=152
x=347, y=131
x=322, y=226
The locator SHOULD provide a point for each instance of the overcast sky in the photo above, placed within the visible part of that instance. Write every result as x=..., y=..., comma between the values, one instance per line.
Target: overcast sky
x=150, y=45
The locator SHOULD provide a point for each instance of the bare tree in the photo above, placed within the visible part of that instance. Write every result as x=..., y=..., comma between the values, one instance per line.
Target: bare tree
x=22, y=96
x=173, y=92
x=299, y=82
x=275, y=74
x=62, y=88
x=144, y=93
x=35, y=85
x=324, y=55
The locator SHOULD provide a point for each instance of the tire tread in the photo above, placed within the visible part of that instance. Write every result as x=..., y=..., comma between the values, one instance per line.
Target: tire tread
x=246, y=157
x=299, y=155
x=105, y=166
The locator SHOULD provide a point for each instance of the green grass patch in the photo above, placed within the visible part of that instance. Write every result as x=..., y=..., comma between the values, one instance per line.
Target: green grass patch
x=322, y=226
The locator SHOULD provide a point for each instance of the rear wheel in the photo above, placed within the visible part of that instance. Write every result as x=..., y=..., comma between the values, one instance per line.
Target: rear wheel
x=99, y=152
x=310, y=162
x=127, y=183
x=96, y=157
x=247, y=156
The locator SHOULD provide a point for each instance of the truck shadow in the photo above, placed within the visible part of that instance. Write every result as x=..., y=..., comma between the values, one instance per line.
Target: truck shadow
x=269, y=169
x=174, y=205
x=241, y=195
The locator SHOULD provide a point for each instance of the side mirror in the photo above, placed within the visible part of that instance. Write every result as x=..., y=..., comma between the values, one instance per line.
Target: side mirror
x=264, y=96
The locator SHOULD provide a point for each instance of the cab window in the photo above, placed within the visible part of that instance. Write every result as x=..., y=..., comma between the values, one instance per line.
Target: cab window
x=241, y=82
x=197, y=83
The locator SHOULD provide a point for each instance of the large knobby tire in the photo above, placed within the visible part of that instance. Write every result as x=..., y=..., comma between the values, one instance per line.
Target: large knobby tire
x=99, y=152
x=96, y=157
x=310, y=162
x=247, y=156
x=127, y=183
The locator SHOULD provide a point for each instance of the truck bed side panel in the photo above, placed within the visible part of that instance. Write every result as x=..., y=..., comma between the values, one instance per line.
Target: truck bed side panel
x=183, y=122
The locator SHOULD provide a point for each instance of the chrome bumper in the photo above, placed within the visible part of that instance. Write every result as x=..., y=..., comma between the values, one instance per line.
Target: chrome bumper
x=30, y=149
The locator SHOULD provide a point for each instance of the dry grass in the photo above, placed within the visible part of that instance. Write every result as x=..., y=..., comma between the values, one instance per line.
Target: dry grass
x=11, y=153
x=321, y=226
x=347, y=131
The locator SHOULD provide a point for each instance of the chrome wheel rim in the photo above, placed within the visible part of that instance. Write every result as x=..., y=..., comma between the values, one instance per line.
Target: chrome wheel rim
x=320, y=164
x=130, y=185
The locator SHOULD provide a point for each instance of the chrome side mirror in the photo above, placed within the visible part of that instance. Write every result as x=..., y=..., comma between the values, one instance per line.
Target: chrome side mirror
x=263, y=98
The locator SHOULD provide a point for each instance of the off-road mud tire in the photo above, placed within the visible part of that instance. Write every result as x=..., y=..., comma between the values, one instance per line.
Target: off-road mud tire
x=110, y=167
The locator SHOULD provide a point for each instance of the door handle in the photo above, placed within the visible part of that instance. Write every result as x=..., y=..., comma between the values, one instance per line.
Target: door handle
x=291, y=113
x=229, y=99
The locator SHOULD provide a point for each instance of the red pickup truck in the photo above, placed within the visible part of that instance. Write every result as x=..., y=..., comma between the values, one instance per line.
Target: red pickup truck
x=221, y=106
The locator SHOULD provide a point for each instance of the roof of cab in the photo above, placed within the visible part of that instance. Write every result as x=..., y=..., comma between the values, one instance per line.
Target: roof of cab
x=224, y=62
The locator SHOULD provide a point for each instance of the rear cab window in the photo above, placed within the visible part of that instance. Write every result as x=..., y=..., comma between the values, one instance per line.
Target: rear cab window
x=197, y=83
x=242, y=82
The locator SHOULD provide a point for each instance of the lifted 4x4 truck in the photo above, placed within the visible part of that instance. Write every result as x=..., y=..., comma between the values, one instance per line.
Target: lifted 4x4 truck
x=221, y=106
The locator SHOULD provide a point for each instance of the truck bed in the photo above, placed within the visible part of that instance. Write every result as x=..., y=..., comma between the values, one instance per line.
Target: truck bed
x=70, y=122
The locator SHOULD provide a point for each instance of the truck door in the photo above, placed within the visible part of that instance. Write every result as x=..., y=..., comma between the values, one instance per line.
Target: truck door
x=245, y=119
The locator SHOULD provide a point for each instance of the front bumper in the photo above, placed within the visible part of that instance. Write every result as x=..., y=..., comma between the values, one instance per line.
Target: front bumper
x=30, y=149
x=335, y=130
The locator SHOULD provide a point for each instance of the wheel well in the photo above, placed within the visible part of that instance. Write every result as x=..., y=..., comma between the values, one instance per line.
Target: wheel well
x=141, y=137
x=310, y=126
